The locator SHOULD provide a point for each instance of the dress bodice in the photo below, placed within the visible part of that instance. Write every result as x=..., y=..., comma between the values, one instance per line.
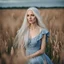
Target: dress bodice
x=34, y=44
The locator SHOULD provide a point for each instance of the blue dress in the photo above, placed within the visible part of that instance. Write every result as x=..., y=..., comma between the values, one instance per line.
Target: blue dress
x=34, y=45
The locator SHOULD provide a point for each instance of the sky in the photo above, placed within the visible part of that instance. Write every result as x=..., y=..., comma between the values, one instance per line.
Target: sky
x=38, y=3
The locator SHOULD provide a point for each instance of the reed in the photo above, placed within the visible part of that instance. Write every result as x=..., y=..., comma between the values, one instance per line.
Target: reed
x=11, y=21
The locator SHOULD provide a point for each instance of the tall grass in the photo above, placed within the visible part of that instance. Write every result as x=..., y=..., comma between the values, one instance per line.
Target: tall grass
x=10, y=22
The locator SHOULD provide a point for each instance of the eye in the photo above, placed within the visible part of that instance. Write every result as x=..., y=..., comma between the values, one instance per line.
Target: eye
x=32, y=14
x=27, y=15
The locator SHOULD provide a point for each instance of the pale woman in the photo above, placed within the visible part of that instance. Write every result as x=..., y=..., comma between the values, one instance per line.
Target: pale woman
x=32, y=37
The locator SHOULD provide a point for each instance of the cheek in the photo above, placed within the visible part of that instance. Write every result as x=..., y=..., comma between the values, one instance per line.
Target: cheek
x=34, y=19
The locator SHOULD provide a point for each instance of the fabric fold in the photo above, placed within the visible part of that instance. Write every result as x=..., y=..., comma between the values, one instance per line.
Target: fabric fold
x=43, y=32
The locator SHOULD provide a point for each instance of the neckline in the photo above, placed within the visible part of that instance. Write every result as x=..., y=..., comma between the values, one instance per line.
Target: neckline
x=36, y=35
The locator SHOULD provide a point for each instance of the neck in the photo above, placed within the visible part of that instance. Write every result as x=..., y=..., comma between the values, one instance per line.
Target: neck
x=33, y=26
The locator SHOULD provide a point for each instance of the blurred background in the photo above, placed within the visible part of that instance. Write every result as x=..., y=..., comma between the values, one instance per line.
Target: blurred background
x=11, y=17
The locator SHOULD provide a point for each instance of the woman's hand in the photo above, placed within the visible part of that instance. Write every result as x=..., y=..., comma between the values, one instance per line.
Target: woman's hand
x=27, y=58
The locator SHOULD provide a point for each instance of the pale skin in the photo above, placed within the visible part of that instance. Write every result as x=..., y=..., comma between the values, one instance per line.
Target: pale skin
x=34, y=31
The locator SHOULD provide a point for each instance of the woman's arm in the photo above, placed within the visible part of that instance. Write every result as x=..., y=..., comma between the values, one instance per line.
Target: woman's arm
x=41, y=51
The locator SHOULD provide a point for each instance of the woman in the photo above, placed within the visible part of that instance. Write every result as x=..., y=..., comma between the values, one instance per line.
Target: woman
x=31, y=38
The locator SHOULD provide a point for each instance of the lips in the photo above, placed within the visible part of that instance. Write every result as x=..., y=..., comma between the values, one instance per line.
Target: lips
x=30, y=20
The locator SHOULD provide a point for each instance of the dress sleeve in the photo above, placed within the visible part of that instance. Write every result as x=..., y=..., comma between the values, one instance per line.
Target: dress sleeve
x=44, y=31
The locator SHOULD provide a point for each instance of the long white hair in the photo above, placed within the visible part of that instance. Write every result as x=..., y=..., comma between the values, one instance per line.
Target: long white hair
x=23, y=33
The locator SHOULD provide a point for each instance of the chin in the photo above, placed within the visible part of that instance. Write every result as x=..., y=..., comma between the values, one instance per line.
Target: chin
x=31, y=22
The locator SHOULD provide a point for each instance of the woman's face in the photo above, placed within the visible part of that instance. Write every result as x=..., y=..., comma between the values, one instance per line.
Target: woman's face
x=31, y=18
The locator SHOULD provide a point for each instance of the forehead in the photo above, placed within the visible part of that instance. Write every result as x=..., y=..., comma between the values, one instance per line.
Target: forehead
x=30, y=12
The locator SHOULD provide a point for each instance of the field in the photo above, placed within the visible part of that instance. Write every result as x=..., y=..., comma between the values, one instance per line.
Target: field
x=11, y=20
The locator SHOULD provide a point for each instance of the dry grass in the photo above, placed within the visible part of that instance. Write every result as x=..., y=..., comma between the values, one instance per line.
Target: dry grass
x=11, y=21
